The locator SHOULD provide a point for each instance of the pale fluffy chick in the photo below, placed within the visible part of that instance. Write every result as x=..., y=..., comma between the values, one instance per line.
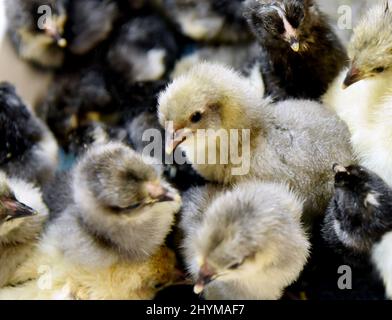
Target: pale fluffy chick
x=22, y=218
x=294, y=141
x=247, y=244
x=121, y=213
x=366, y=105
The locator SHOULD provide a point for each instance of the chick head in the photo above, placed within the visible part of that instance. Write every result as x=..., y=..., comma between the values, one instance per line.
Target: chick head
x=119, y=180
x=286, y=20
x=245, y=230
x=49, y=19
x=209, y=96
x=370, y=49
x=12, y=212
x=362, y=207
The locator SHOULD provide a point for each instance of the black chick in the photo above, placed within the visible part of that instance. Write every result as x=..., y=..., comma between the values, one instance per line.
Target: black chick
x=144, y=49
x=36, y=32
x=27, y=148
x=74, y=99
x=300, y=53
x=90, y=23
x=359, y=218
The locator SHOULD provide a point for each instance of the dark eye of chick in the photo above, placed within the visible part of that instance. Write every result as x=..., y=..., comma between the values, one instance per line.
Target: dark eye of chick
x=235, y=266
x=379, y=69
x=196, y=117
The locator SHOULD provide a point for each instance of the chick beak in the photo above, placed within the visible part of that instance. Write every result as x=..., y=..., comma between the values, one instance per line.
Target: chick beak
x=52, y=30
x=175, y=138
x=353, y=76
x=17, y=209
x=294, y=44
x=206, y=276
x=159, y=193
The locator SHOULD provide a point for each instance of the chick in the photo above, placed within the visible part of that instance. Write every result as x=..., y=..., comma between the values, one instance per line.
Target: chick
x=120, y=214
x=247, y=244
x=294, y=141
x=300, y=53
x=366, y=102
x=121, y=202
x=238, y=57
x=38, y=38
x=74, y=99
x=358, y=218
x=22, y=218
x=90, y=23
x=219, y=21
x=144, y=49
x=28, y=149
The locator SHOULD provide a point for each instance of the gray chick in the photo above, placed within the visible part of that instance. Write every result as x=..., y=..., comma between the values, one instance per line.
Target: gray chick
x=247, y=243
x=36, y=29
x=28, y=150
x=121, y=207
x=294, y=141
x=22, y=218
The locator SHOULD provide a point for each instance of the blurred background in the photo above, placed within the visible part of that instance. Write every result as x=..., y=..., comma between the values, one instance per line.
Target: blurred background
x=32, y=83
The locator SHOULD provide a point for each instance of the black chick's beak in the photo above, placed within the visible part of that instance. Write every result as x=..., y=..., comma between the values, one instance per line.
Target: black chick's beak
x=294, y=44
x=206, y=276
x=353, y=76
x=17, y=210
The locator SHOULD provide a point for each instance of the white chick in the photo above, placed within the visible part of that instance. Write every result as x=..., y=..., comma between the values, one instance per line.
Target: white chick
x=362, y=97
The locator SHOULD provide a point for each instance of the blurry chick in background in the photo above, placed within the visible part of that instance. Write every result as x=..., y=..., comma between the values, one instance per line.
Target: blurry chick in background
x=300, y=53
x=74, y=99
x=362, y=96
x=90, y=23
x=28, y=149
x=22, y=218
x=247, y=243
x=217, y=21
x=143, y=50
x=36, y=33
x=359, y=218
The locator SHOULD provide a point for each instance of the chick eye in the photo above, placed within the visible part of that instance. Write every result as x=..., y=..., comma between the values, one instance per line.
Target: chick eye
x=235, y=266
x=159, y=286
x=379, y=69
x=196, y=117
